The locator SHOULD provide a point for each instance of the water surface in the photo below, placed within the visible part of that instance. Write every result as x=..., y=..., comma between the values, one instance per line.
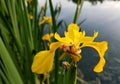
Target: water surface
x=102, y=16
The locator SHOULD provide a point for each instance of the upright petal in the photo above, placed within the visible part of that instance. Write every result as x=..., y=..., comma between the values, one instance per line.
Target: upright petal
x=73, y=33
x=88, y=38
x=62, y=39
x=43, y=62
x=101, y=48
x=72, y=27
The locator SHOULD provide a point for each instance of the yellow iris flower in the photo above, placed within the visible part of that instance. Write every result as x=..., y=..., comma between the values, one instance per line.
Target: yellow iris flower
x=46, y=19
x=47, y=37
x=70, y=44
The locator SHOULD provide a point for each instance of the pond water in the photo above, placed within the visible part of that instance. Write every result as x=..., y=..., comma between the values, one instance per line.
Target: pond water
x=102, y=16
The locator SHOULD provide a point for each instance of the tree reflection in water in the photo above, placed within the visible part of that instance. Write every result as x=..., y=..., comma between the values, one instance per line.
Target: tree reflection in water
x=93, y=2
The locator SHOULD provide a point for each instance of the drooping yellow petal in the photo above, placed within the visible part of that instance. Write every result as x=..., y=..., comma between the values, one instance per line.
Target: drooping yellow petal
x=43, y=62
x=99, y=67
x=101, y=48
x=54, y=46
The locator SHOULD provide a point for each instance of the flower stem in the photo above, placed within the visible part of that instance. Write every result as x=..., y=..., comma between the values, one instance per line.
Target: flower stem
x=56, y=66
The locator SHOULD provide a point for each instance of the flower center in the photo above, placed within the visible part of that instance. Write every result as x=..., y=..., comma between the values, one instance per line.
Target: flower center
x=70, y=49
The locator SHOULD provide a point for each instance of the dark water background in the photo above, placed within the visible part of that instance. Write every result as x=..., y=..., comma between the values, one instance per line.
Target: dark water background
x=102, y=16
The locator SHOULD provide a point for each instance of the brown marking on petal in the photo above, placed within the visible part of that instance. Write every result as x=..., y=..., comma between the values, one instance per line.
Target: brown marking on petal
x=72, y=50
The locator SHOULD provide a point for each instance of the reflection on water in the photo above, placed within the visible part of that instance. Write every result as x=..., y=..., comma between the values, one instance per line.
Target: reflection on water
x=105, y=19
x=93, y=2
x=102, y=16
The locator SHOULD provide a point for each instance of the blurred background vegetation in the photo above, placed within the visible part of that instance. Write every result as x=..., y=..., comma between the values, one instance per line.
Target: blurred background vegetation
x=21, y=38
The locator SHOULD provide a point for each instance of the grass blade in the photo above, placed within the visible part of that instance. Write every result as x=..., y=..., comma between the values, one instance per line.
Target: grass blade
x=9, y=65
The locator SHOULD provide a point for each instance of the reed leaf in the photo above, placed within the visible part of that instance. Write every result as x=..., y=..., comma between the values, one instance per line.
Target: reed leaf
x=12, y=72
x=53, y=16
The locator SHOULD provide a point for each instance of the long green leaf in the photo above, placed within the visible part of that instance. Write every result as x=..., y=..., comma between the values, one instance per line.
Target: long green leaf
x=53, y=16
x=14, y=76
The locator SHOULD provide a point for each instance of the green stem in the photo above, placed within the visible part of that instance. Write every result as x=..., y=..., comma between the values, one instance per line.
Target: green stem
x=54, y=30
x=56, y=67
x=53, y=17
x=75, y=82
x=78, y=10
x=48, y=76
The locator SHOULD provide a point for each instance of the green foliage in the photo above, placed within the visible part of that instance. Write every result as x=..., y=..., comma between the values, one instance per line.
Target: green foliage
x=21, y=38
x=11, y=74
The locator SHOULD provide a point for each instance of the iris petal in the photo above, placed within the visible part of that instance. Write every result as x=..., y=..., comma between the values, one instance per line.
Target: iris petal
x=63, y=39
x=88, y=38
x=101, y=48
x=73, y=31
x=99, y=67
x=43, y=62
x=54, y=46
